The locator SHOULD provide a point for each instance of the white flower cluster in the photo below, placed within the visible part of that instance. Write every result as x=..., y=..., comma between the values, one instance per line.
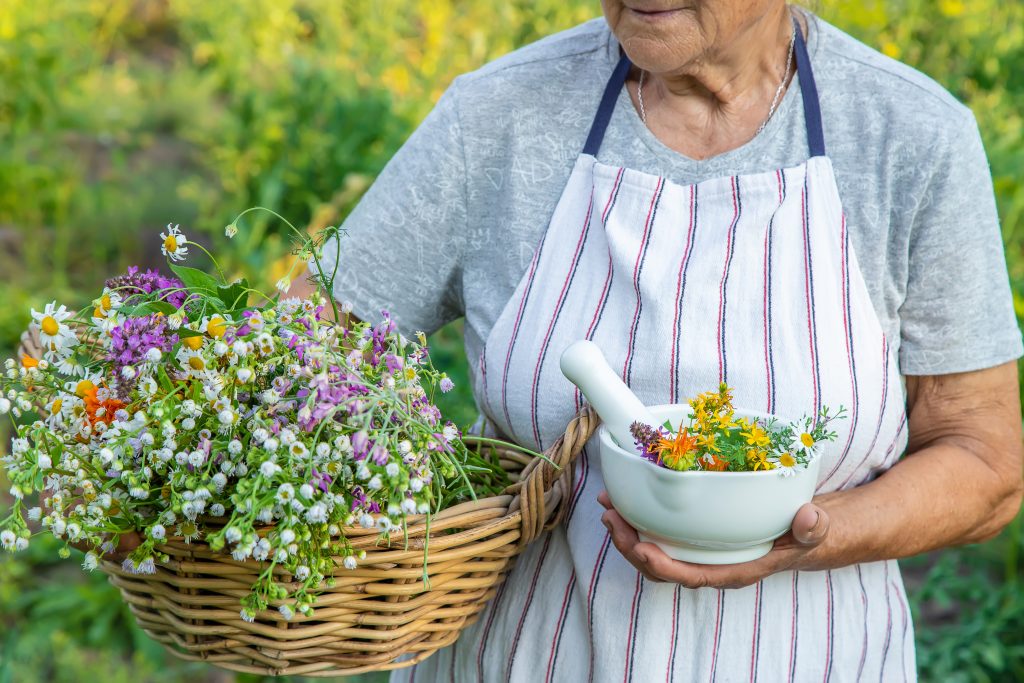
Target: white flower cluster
x=263, y=432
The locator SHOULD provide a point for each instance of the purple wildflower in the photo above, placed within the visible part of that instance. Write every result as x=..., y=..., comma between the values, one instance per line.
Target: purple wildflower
x=135, y=283
x=379, y=454
x=321, y=480
x=393, y=362
x=132, y=339
x=360, y=445
x=446, y=385
x=647, y=438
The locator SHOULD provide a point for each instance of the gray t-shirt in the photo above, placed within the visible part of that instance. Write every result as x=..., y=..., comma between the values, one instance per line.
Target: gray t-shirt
x=450, y=225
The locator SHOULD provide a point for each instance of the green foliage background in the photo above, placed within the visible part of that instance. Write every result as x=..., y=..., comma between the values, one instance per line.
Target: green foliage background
x=117, y=116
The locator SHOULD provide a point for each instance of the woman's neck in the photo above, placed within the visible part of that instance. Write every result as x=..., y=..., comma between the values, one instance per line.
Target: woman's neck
x=719, y=101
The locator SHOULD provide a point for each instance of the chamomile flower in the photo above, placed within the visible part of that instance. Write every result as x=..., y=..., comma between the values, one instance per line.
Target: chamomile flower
x=55, y=335
x=173, y=246
x=784, y=462
x=192, y=361
x=105, y=304
x=803, y=442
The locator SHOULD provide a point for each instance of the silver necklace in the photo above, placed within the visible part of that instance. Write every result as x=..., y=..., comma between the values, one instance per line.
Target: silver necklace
x=771, y=109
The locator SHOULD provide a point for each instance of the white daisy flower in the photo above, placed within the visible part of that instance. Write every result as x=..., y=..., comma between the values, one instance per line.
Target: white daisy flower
x=173, y=246
x=70, y=365
x=350, y=562
x=803, y=442
x=285, y=493
x=55, y=336
x=109, y=301
x=192, y=361
x=7, y=538
x=784, y=462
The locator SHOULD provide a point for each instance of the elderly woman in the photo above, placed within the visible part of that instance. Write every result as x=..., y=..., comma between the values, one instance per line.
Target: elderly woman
x=713, y=190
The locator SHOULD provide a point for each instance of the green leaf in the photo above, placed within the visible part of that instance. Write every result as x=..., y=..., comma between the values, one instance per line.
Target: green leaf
x=155, y=307
x=196, y=280
x=236, y=295
x=184, y=333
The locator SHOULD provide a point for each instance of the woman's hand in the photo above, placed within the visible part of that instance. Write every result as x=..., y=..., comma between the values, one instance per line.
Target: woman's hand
x=795, y=550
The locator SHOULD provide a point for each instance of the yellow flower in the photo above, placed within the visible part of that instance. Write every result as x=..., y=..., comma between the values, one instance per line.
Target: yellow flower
x=194, y=343
x=707, y=442
x=758, y=460
x=217, y=327
x=756, y=436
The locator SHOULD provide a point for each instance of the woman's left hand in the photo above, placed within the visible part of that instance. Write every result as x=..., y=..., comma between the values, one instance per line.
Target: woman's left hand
x=794, y=550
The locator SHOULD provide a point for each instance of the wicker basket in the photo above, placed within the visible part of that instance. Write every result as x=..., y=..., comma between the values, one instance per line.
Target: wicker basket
x=379, y=616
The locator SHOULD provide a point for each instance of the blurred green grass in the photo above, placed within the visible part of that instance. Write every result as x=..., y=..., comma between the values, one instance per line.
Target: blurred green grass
x=119, y=116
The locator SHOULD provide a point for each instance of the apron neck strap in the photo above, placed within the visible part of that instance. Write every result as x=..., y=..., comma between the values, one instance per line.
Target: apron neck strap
x=808, y=91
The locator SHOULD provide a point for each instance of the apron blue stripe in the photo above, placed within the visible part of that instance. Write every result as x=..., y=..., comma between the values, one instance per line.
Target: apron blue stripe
x=637, y=271
x=684, y=265
x=556, y=642
x=723, y=368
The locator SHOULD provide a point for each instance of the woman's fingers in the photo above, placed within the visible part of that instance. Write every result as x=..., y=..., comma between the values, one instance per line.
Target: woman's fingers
x=810, y=525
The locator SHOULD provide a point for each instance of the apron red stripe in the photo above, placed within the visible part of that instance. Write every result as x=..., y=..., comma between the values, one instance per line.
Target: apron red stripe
x=680, y=286
x=769, y=367
x=633, y=628
x=495, y=606
x=637, y=269
x=812, y=331
x=596, y=320
x=526, y=608
x=792, y=632
x=515, y=335
x=722, y=367
x=670, y=672
x=591, y=590
x=864, y=606
x=905, y=612
x=566, y=286
x=755, y=641
x=848, y=330
x=888, y=625
x=556, y=641
x=718, y=633
x=881, y=413
x=829, y=625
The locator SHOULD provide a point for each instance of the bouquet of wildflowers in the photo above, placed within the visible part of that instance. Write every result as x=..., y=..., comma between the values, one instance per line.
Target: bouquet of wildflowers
x=718, y=441
x=172, y=407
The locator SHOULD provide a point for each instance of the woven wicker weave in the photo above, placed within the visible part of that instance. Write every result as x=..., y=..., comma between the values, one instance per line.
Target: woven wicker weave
x=376, y=617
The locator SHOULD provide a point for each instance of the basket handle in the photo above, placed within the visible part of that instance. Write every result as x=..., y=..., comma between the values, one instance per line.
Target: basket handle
x=543, y=484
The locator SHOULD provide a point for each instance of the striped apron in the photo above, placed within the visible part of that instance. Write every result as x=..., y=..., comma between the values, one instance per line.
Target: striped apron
x=749, y=280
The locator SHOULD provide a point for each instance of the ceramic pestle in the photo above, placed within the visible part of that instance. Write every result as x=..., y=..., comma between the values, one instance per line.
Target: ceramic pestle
x=584, y=365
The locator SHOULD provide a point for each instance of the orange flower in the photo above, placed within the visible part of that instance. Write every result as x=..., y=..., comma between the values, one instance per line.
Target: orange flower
x=712, y=463
x=93, y=406
x=678, y=453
